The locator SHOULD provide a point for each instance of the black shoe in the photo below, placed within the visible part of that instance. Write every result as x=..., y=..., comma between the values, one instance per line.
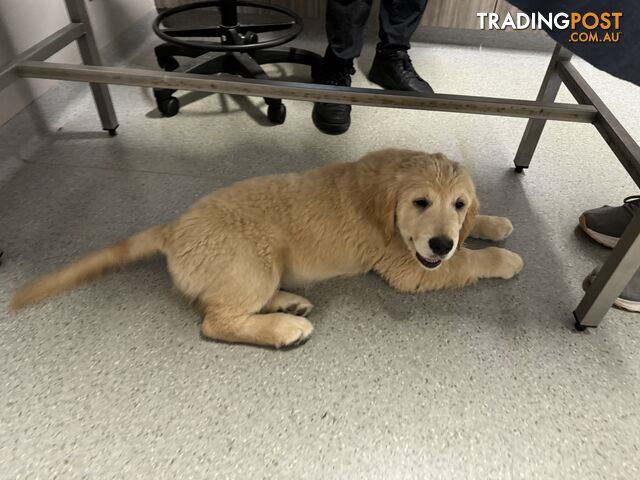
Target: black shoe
x=332, y=118
x=392, y=69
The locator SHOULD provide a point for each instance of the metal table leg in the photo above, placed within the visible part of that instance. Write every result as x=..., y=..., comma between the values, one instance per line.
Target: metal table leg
x=624, y=261
x=614, y=275
x=90, y=56
x=548, y=92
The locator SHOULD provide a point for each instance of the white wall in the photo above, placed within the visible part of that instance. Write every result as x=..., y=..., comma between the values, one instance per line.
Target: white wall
x=26, y=22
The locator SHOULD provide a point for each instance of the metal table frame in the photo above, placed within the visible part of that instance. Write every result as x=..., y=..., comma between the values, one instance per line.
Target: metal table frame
x=621, y=264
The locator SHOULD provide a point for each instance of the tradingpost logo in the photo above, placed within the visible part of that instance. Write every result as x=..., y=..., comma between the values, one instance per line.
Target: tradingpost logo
x=588, y=27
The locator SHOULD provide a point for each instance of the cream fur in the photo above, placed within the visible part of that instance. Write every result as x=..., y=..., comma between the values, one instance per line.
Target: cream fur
x=236, y=248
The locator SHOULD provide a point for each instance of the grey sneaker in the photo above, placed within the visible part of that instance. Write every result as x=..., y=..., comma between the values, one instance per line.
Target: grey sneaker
x=629, y=299
x=606, y=224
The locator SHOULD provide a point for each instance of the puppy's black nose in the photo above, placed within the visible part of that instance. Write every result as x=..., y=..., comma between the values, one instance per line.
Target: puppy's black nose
x=441, y=245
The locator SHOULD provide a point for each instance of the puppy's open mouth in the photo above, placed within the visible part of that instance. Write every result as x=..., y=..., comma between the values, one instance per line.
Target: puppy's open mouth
x=429, y=262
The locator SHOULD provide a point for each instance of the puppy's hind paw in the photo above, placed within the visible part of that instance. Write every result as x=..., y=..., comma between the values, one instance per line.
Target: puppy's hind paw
x=289, y=303
x=291, y=330
x=301, y=310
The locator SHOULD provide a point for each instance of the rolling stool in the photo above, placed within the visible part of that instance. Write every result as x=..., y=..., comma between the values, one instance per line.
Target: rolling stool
x=238, y=50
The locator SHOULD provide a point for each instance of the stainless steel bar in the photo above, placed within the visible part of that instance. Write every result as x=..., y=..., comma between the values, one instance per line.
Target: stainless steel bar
x=621, y=143
x=614, y=275
x=547, y=93
x=41, y=51
x=308, y=92
x=90, y=56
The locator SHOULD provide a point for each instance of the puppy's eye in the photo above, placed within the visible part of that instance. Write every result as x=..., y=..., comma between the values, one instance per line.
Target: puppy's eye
x=459, y=204
x=421, y=203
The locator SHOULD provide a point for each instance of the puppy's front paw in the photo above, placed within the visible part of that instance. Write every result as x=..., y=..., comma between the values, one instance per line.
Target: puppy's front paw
x=488, y=227
x=500, y=229
x=509, y=264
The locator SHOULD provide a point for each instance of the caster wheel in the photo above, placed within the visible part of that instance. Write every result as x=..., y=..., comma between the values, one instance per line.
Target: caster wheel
x=519, y=169
x=168, y=64
x=169, y=106
x=277, y=114
x=250, y=37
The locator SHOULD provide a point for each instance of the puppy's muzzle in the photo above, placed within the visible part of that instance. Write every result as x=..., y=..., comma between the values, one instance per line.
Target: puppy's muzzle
x=440, y=246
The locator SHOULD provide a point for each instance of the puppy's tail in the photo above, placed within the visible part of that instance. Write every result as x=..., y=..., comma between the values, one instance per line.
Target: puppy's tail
x=137, y=247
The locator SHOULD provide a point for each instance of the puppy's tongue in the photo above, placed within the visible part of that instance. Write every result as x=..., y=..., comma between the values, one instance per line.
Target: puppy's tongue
x=429, y=262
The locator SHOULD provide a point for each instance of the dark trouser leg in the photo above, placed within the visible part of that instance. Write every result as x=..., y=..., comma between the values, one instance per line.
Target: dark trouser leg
x=399, y=19
x=345, y=24
x=391, y=67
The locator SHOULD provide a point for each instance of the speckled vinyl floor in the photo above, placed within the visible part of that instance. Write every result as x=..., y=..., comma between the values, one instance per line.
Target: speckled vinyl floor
x=487, y=382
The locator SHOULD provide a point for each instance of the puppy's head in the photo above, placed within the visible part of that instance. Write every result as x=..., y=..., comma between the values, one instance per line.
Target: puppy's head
x=431, y=202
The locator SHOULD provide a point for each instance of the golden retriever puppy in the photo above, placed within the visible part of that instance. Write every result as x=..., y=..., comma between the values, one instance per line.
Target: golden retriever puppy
x=400, y=213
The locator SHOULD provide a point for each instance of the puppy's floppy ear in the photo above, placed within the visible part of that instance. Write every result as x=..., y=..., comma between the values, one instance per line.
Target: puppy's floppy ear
x=469, y=221
x=378, y=188
x=381, y=209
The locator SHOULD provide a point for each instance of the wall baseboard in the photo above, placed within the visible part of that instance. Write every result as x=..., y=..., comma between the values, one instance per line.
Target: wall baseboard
x=507, y=39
